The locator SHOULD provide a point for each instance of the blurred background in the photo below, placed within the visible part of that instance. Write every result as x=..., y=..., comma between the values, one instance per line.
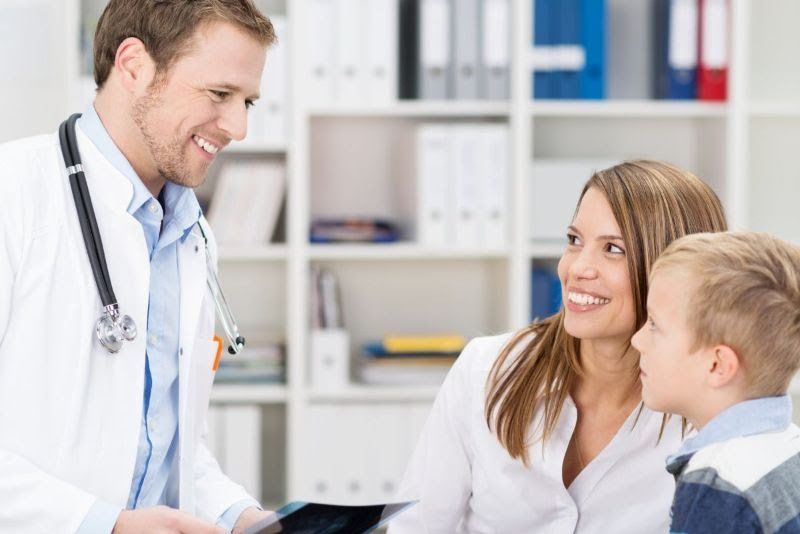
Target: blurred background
x=406, y=182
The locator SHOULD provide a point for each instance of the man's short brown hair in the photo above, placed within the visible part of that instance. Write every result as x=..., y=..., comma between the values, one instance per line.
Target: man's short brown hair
x=166, y=28
x=746, y=296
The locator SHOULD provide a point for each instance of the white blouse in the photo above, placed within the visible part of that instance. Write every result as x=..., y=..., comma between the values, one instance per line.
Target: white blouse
x=466, y=481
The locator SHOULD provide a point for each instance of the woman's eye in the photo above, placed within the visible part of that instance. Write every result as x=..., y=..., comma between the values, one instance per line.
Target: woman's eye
x=651, y=323
x=249, y=104
x=572, y=239
x=614, y=249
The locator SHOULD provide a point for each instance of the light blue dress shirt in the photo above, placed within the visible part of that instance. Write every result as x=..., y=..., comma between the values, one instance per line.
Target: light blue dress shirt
x=165, y=222
x=754, y=416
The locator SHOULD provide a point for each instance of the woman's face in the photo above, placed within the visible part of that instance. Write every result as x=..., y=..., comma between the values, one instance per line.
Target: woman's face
x=598, y=301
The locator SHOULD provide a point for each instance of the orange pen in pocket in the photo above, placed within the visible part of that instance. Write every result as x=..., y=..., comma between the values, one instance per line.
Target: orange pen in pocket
x=219, y=352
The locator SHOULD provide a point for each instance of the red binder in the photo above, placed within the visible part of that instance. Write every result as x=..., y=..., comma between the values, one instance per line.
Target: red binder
x=712, y=77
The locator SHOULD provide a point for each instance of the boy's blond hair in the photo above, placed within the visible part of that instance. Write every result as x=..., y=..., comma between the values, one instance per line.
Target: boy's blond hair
x=746, y=296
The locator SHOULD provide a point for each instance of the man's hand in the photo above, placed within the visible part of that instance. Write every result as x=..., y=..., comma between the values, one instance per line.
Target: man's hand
x=162, y=520
x=249, y=517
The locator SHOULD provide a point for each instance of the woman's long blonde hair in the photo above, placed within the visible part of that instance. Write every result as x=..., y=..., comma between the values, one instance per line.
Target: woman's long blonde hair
x=654, y=203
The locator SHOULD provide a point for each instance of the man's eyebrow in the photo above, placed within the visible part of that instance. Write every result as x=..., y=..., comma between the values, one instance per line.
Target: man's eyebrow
x=234, y=89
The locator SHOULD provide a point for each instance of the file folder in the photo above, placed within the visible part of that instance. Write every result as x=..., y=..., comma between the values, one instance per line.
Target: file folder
x=468, y=187
x=495, y=177
x=571, y=54
x=349, y=80
x=320, y=46
x=677, y=49
x=496, y=43
x=408, y=54
x=434, y=185
x=593, y=32
x=543, y=51
x=712, y=78
x=436, y=61
x=466, y=49
x=381, y=28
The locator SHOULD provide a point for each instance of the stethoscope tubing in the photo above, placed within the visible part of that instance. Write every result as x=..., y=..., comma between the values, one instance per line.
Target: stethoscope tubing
x=85, y=209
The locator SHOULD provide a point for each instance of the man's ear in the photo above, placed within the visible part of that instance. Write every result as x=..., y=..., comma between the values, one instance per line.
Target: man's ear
x=724, y=365
x=133, y=65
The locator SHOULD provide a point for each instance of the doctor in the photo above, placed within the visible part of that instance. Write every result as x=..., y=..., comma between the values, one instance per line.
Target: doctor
x=92, y=441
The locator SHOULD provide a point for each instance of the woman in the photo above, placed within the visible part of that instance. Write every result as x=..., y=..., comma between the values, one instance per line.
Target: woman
x=543, y=430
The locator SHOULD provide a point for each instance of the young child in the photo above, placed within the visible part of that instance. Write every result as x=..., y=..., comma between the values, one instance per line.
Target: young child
x=720, y=347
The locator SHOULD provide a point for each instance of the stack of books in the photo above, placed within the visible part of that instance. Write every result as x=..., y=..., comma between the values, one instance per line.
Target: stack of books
x=260, y=362
x=409, y=360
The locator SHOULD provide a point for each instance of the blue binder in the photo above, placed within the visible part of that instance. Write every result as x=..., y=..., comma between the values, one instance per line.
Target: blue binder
x=545, y=293
x=593, y=31
x=671, y=81
x=542, y=37
x=568, y=22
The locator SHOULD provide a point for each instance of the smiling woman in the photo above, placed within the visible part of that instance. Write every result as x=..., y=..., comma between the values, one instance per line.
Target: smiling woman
x=543, y=430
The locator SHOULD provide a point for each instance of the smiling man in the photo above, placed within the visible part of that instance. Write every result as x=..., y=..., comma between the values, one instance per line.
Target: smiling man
x=98, y=442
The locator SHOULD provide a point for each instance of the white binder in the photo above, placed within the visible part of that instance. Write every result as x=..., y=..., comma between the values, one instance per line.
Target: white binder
x=271, y=110
x=468, y=186
x=436, y=69
x=495, y=53
x=434, y=185
x=381, y=27
x=349, y=78
x=495, y=176
x=466, y=50
x=319, y=42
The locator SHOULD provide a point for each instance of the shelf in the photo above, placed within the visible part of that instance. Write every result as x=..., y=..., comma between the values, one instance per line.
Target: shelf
x=545, y=250
x=775, y=110
x=255, y=148
x=374, y=393
x=794, y=387
x=256, y=253
x=645, y=109
x=400, y=251
x=418, y=108
x=249, y=393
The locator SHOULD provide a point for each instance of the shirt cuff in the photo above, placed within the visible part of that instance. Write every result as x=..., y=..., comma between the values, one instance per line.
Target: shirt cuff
x=101, y=518
x=228, y=519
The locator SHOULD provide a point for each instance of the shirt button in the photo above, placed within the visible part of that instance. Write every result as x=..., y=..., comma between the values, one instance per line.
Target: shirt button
x=153, y=339
x=153, y=207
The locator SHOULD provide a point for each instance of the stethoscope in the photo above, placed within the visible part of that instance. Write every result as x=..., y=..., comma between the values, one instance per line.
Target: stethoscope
x=113, y=328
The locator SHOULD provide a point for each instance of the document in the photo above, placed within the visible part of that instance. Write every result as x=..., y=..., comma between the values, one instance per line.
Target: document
x=314, y=518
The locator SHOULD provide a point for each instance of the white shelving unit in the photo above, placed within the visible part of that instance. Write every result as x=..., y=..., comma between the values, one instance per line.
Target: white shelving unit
x=744, y=148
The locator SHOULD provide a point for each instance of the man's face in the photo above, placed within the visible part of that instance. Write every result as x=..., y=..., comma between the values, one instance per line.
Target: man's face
x=200, y=104
x=672, y=375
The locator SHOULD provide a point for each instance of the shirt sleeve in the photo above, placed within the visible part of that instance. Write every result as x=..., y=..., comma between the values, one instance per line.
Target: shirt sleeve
x=228, y=519
x=712, y=505
x=101, y=518
x=439, y=474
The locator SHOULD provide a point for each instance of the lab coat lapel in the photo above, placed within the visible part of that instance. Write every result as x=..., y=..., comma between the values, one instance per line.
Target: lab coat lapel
x=191, y=268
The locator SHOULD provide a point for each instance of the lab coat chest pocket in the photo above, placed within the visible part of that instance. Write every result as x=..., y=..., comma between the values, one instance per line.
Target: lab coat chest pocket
x=204, y=354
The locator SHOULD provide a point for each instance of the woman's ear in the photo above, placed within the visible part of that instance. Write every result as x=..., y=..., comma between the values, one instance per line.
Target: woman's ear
x=723, y=367
x=133, y=65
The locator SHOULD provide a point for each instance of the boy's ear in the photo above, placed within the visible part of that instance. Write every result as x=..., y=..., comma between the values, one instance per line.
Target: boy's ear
x=723, y=366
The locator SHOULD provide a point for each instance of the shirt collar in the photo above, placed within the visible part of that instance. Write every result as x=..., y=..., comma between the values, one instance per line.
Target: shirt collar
x=755, y=416
x=181, y=206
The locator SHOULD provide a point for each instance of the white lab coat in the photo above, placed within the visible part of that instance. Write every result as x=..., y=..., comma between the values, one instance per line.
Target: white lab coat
x=467, y=482
x=69, y=411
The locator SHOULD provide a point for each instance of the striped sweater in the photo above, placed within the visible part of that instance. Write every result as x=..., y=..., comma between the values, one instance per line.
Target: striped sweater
x=741, y=473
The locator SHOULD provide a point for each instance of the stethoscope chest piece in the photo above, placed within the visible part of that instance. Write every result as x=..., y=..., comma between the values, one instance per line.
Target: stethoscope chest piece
x=113, y=329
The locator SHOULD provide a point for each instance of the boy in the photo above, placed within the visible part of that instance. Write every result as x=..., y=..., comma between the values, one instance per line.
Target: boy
x=720, y=347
